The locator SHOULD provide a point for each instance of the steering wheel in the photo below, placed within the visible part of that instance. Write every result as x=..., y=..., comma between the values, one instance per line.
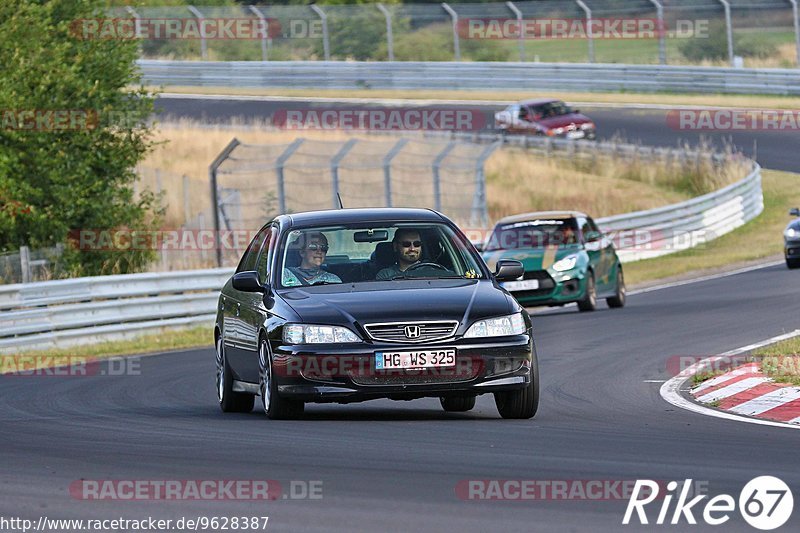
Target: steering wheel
x=415, y=266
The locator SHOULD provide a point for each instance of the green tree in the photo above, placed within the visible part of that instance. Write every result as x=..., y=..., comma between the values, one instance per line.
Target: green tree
x=54, y=181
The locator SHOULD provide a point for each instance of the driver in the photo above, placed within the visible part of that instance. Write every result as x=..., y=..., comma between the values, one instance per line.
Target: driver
x=407, y=245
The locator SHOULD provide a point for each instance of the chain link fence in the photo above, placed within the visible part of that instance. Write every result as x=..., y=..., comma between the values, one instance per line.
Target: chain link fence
x=253, y=183
x=26, y=265
x=763, y=32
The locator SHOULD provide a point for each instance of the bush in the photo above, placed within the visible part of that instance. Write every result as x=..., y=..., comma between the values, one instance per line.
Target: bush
x=714, y=46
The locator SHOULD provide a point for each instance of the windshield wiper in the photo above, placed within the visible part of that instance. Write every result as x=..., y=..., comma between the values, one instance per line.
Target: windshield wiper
x=403, y=276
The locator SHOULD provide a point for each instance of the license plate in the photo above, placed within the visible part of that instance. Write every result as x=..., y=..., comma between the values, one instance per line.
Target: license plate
x=522, y=285
x=414, y=360
x=575, y=135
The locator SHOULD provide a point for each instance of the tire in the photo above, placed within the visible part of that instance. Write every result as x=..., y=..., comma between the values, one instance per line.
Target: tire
x=275, y=406
x=589, y=300
x=457, y=404
x=523, y=403
x=792, y=263
x=618, y=300
x=229, y=401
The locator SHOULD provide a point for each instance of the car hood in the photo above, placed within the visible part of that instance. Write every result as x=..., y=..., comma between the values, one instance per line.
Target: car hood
x=561, y=121
x=531, y=258
x=399, y=301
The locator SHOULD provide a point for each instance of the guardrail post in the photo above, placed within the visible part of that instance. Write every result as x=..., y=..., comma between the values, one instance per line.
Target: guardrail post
x=518, y=14
x=200, y=18
x=456, y=43
x=389, y=36
x=280, y=163
x=25, y=263
x=589, y=32
x=335, y=168
x=387, y=169
x=480, y=212
x=266, y=39
x=437, y=186
x=796, y=20
x=215, y=207
x=662, y=30
x=728, y=29
x=326, y=42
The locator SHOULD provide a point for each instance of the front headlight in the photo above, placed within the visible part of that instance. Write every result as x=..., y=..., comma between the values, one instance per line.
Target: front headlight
x=791, y=233
x=308, y=334
x=497, y=327
x=568, y=263
x=587, y=126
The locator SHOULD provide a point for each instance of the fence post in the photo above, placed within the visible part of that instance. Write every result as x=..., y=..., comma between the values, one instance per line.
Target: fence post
x=279, y=164
x=266, y=40
x=437, y=186
x=326, y=42
x=387, y=169
x=186, y=207
x=518, y=14
x=25, y=263
x=728, y=28
x=796, y=21
x=456, y=43
x=389, y=36
x=137, y=26
x=589, y=32
x=335, y=168
x=480, y=212
x=215, y=207
x=199, y=16
x=662, y=30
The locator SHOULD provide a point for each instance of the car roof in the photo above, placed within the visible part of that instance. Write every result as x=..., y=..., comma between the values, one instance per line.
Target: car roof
x=358, y=215
x=541, y=214
x=539, y=101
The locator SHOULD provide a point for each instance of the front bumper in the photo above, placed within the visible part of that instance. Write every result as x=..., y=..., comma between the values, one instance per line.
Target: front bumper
x=347, y=374
x=556, y=288
x=791, y=249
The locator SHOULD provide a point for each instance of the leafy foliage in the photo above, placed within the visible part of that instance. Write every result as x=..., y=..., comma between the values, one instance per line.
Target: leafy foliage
x=52, y=180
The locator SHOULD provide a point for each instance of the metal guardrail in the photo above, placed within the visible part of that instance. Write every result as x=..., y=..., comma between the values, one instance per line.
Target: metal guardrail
x=81, y=310
x=497, y=76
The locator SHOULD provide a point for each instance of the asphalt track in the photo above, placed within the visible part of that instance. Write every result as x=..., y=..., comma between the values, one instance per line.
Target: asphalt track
x=394, y=466
x=773, y=149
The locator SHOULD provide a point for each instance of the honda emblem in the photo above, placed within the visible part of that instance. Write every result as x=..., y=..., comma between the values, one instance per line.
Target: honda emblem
x=412, y=332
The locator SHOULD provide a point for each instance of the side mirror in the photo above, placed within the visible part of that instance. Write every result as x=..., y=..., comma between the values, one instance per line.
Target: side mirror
x=508, y=270
x=795, y=212
x=247, y=281
x=592, y=236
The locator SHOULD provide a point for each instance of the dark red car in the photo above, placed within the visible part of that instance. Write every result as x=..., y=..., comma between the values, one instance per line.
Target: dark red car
x=553, y=118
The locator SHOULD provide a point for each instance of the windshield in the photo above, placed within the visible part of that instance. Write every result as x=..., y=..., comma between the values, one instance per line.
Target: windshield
x=337, y=254
x=551, y=109
x=534, y=234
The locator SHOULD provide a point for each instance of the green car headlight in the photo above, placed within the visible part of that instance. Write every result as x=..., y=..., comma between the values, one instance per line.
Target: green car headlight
x=311, y=334
x=497, y=327
x=568, y=263
x=791, y=233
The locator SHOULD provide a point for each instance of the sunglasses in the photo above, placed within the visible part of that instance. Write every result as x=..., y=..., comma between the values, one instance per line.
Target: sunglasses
x=315, y=247
x=409, y=244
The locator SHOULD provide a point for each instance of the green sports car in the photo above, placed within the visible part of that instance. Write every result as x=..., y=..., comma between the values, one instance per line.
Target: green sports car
x=566, y=259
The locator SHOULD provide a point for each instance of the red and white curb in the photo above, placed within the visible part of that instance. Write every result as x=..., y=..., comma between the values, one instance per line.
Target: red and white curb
x=743, y=394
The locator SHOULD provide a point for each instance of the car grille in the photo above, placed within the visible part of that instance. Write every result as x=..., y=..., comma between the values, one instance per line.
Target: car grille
x=412, y=332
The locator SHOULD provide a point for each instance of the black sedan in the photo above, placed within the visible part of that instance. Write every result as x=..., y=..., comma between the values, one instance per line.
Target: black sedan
x=357, y=304
x=791, y=240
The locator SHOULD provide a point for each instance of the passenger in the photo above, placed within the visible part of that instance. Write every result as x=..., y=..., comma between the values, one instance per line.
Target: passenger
x=312, y=256
x=407, y=245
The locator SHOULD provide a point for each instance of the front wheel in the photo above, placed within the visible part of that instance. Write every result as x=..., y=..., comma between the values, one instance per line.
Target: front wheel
x=229, y=401
x=589, y=300
x=275, y=407
x=618, y=300
x=518, y=404
x=457, y=404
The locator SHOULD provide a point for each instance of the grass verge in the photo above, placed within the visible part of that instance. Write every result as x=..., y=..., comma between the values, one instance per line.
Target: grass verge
x=781, y=361
x=675, y=99
x=759, y=239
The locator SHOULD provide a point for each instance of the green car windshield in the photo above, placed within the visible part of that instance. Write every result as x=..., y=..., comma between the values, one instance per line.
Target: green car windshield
x=534, y=234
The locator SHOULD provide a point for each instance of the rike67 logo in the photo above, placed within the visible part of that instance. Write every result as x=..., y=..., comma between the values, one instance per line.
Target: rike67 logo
x=765, y=503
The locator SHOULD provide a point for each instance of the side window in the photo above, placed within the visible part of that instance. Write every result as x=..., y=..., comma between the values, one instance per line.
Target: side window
x=524, y=113
x=248, y=261
x=265, y=258
x=585, y=227
x=593, y=226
